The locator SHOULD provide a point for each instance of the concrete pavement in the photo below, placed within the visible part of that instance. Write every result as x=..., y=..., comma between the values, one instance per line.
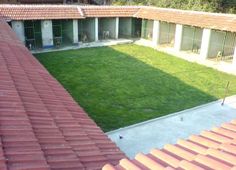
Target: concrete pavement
x=156, y=133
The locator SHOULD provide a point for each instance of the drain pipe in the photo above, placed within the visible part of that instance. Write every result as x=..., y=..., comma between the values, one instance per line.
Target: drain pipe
x=226, y=92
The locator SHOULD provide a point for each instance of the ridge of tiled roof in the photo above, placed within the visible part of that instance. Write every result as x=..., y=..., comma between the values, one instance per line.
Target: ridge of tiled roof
x=42, y=127
x=211, y=150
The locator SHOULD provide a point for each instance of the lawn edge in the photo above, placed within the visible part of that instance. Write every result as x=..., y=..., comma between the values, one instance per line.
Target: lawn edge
x=167, y=116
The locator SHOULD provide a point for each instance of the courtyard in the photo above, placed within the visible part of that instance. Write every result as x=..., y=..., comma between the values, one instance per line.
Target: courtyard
x=126, y=84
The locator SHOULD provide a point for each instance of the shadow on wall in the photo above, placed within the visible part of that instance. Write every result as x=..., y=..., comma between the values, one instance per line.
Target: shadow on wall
x=123, y=85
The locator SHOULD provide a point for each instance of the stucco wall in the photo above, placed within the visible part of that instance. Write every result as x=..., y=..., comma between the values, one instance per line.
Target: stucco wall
x=18, y=27
x=75, y=31
x=47, y=34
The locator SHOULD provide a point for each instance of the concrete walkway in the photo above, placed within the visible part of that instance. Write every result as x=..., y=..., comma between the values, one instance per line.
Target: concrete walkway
x=168, y=129
x=223, y=66
x=99, y=43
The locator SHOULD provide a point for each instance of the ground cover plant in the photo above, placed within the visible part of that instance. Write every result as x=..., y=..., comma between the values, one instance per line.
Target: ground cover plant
x=126, y=84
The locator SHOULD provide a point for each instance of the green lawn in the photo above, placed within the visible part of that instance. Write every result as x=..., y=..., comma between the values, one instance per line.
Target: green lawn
x=126, y=84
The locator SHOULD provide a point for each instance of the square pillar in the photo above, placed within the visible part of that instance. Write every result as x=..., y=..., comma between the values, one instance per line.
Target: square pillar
x=206, y=38
x=156, y=33
x=234, y=59
x=96, y=29
x=117, y=27
x=47, y=33
x=18, y=28
x=178, y=37
x=75, y=32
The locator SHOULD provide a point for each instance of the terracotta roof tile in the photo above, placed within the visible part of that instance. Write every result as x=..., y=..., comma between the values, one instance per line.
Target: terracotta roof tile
x=42, y=127
x=40, y=1
x=39, y=12
x=214, y=149
x=189, y=165
x=148, y=162
x=200, y=19
x=193, y=18
x=109, y=11
x=212, y=163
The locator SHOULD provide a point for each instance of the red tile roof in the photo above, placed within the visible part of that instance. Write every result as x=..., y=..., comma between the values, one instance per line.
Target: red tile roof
x=40, y=12
x=214, y=149
x=201, y=19
x=40, y=1
x=109, y=11
x=42, y=127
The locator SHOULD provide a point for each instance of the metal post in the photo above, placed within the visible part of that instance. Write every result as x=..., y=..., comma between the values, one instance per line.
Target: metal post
x=223, y=45
x=226, y=92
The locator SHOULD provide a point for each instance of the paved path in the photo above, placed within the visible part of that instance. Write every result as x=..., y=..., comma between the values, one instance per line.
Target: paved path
x=100, y=43
x=226, y=67
x=158, y=132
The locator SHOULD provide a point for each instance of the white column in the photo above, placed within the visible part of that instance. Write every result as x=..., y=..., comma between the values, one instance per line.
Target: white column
x=75, y=32
x=18, y=27
x=178, y=37
x=206, y=38
x=47, y=33
x=96, y=29
x=156, y=33
x=234, y=59
x=117, y=27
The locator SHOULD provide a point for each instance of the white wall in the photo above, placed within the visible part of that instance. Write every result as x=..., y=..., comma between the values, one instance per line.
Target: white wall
x=96, y=29
x=156, y=33
x=47, y=34
x=178, y=37
x=18, y=27
x=117, y=27
x=75, y=32
x=206, y=38
x=234, y=59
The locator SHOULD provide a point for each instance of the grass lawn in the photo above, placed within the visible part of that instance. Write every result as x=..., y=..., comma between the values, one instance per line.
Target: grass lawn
x=126, y=84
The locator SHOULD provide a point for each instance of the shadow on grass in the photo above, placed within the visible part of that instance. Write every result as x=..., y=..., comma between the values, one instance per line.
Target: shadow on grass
x=117, y=89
